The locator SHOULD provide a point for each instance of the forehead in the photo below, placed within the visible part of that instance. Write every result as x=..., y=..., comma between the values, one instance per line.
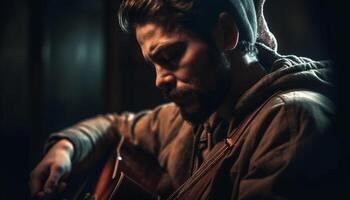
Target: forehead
x=146, y=32
x=149, y=35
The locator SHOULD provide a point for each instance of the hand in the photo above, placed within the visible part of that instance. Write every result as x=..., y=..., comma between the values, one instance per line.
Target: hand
x=48, y=176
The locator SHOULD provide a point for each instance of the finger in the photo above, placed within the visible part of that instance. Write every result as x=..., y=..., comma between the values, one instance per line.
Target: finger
x=64, y=177
x=61, y=187
x=40, y=195
x=35, y=183
x=51, y=183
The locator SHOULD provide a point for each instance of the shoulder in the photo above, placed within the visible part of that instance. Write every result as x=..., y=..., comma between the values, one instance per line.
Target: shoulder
x=296, y=135
x=301, y=109
x=294, y=112
x=288, y=119
x=305, y=100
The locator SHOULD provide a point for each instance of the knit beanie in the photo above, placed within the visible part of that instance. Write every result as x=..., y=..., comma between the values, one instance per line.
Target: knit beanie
x=249, y=15
x=264, y=34
x=246, y=20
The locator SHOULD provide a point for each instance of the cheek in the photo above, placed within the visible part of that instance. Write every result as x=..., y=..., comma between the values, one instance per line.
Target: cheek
x=193, y=64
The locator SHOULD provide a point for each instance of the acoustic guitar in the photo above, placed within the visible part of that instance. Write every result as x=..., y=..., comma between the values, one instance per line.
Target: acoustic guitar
x=127, y=173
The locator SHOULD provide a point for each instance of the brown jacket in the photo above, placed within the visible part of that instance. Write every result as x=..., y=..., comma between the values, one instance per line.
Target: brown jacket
x=283, y=153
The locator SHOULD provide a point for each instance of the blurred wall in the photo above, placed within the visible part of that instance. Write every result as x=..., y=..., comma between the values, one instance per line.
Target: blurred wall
x=64, y=61
x=15, y=120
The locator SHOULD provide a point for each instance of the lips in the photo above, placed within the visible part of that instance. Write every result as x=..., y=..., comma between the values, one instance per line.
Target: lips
x=180, y=97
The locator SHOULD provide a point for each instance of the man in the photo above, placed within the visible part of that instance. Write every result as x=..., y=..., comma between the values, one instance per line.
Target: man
x=217, y=62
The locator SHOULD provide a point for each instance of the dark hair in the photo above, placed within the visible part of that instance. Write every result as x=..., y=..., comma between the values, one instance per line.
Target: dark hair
x=199, y=16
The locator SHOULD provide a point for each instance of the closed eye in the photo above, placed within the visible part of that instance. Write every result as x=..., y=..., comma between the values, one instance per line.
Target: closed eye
x=169, y=55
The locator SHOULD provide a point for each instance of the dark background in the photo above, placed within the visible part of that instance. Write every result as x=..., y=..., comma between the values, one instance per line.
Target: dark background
x=62, y=61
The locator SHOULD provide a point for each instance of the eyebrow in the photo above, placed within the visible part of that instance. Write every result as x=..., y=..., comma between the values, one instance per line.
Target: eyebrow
x=156, y=49
x=164, y=46
x=161, y=47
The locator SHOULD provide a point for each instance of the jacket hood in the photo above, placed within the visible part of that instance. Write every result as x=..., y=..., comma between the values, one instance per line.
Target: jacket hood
x=286, y=73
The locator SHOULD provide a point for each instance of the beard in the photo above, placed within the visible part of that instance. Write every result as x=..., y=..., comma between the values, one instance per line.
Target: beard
x=196, y=104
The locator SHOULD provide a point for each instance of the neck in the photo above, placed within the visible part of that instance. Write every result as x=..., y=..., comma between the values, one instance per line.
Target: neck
x=245, y=72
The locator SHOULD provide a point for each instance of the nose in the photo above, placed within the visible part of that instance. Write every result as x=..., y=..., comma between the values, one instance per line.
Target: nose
x=164, y=78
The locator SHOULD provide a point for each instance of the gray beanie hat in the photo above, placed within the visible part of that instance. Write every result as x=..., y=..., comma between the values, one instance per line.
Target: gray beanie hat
x=251, y=22
x=264, y=34
x=244, y=13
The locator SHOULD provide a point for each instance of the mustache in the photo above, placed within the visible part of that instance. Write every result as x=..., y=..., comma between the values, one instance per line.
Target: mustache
x=172, y=94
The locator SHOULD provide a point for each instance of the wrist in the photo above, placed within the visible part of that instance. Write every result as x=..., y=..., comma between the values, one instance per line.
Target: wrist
x=65, y=145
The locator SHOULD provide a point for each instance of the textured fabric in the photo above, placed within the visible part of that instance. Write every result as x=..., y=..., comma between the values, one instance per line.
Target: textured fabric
x=249, y=15
x=245, y=17
x=264, y=34
x=285, y=153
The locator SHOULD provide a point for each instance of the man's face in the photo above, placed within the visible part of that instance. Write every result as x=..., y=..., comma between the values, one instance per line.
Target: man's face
x=189, y=72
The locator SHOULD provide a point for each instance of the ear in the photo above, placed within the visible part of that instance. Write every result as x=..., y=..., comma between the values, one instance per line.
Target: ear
x=226, y=32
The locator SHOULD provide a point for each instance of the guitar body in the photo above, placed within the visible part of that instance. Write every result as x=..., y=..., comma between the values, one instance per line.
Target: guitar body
x=127, y=173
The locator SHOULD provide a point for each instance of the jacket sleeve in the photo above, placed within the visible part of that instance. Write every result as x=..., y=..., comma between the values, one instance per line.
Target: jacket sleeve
x=92, y=137
x=296, y=154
